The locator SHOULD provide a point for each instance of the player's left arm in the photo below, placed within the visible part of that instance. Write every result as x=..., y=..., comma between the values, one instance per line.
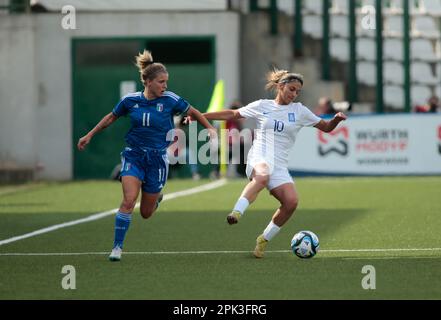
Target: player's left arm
x=328, y=126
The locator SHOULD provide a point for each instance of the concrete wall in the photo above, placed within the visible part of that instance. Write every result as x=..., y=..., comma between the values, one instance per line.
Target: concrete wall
x=36, y=81
x=17, y=92
x=260, y=51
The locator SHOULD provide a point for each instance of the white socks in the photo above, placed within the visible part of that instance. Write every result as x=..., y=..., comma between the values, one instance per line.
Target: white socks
x=270, y=231
x=241, y=205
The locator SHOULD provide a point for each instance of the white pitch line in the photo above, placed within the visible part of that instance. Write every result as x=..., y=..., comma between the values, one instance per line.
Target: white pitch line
x=382, y=250
x=207, y=252
x=390, y=258
x=174, y=195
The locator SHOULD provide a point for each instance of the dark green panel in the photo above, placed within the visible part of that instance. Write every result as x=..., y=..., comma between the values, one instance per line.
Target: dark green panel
x=97, y=91
x=194, y=83
x=190, y=62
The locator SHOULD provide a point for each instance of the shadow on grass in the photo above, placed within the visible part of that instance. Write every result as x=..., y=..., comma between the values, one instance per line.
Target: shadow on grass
x=201, y=230
x=174, y=230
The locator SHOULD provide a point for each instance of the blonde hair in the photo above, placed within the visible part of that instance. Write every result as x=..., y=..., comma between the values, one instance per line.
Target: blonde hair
x=147, y=68
x=277, y=76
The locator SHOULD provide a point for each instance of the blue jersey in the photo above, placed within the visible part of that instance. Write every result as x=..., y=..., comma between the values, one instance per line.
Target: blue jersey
x=151, y=120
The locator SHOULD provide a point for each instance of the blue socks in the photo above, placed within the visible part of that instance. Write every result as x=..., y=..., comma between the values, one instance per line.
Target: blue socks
x=122, y=223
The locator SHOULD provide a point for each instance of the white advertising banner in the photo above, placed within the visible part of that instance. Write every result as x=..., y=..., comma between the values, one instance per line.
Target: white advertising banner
x=371, y=145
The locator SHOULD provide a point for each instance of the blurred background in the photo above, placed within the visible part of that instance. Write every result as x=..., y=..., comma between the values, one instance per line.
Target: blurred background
x=65, y=64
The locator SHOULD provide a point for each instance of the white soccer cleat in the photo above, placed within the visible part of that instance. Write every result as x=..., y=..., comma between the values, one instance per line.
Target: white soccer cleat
x=115, y=255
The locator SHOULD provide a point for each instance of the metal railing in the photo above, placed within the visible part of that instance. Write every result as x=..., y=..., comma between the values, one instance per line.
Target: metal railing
x=353, y=5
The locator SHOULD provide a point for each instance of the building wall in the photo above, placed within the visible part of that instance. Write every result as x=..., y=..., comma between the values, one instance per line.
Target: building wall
x=17, y=92
x=260, y=52
x=36, y=77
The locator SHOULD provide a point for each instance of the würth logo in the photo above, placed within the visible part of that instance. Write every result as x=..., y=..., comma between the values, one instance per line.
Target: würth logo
x=334, y=142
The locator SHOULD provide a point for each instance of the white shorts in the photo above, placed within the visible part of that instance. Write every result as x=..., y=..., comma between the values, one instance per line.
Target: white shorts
x=278, y=176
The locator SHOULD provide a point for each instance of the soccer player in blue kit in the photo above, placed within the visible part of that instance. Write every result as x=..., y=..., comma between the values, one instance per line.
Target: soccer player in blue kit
x=144, y=160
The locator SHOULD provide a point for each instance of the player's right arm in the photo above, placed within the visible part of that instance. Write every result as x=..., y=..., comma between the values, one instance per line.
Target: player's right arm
x=218, y=115
x=223, y=115
x=249, y=111
x=106, y=121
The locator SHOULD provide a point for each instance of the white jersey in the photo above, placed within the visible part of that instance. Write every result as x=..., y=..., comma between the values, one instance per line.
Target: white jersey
x=277, y=128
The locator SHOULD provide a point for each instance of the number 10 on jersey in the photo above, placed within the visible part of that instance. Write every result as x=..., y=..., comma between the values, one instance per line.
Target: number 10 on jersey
x=278, y=126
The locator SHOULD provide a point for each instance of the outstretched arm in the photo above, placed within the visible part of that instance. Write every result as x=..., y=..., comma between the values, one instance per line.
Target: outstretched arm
x=194, y=113
x=328, y=126
x=106, y=121
x=219, y=115
x=197, y=115
x=223, y=115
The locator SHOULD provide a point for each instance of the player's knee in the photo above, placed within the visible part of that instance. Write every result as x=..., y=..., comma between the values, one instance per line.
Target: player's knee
x=147, y=212
x=128, y=205
x=262, y=180
x=291, y=205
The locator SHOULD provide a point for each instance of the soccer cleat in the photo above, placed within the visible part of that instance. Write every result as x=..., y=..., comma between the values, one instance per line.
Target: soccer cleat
x=233, y=217
x=260, y=246
x=115, y=255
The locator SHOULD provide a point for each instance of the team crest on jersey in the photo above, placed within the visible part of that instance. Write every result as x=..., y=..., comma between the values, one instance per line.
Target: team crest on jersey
x=291, y=117
x=159, y=107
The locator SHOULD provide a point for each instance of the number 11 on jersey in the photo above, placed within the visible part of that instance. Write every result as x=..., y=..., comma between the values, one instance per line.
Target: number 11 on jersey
x=146, y=119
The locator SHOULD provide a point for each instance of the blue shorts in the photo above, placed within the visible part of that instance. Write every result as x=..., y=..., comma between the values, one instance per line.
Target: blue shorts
x=150, y=166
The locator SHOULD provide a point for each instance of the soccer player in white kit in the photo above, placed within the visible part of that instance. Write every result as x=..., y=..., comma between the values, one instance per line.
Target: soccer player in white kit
x=278, y=122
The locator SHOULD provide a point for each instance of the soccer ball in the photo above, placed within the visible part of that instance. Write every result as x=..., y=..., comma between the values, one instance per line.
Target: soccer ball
x=305, y=244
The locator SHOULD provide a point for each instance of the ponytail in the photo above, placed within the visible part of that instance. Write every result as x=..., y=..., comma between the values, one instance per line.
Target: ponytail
x=147, y=68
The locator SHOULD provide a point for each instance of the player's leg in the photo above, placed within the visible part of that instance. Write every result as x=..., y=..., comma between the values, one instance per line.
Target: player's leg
x=155, y=178
x=288, y=198
x=259, y=180
x=282, y=187
x=131, y=186
x=149, y=203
